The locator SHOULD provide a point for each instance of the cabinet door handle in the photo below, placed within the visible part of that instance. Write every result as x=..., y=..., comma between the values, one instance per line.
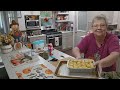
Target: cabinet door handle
x=51, y=38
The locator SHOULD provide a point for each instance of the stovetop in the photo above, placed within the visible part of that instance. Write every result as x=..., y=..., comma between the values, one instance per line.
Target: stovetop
x=53, y=33
x=49, y=32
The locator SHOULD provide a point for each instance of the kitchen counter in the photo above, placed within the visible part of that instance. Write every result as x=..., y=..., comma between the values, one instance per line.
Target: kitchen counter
x=66, y=31
x=11, y=70
x=36, y=36
x=50, y=64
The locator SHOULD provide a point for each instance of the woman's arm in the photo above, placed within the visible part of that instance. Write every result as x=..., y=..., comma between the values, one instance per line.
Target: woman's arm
x=76, y=52
x=109, y=60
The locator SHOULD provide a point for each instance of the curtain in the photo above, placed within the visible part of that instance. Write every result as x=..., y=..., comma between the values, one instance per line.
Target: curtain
x=5, y=20
x=12, y=15
x=1, y=22
x=1, y=25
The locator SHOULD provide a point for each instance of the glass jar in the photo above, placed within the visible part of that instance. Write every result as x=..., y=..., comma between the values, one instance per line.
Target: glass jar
x=44, y=54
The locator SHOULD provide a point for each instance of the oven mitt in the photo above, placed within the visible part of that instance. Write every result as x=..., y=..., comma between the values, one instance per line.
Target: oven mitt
x=28, y=57
x=54, y=59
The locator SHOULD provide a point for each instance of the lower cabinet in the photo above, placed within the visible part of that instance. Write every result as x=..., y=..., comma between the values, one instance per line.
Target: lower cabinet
x=67, y=40
x=37, y=37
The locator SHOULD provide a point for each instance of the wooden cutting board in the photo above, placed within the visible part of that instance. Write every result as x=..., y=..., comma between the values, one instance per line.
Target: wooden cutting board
x=54, y=63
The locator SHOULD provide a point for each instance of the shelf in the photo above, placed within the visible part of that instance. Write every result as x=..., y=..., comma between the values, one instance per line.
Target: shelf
x=32, y=20
x=62, y=21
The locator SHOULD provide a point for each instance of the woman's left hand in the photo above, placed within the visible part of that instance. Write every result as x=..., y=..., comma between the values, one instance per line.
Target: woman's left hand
x=99, y=67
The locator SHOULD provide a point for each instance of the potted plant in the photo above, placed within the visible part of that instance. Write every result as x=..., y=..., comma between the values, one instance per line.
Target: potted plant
x=6, y=43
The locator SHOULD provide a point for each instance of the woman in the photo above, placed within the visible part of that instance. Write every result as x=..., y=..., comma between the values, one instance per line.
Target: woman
x=99, y=45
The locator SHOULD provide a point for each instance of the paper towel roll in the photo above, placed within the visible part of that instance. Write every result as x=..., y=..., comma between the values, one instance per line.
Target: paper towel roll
x=56, y=41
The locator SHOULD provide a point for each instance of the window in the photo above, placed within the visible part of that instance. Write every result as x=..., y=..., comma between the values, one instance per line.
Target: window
x=12, y=15
x=1, y=24
x=82, y=20
x=5, y=20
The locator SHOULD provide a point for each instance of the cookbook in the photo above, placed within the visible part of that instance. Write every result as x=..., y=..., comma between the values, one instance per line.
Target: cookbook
x=39, y=71
x=19, y=59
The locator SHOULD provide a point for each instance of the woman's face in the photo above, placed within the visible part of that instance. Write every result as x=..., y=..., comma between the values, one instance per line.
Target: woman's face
x=99, y=27
x=15, y=27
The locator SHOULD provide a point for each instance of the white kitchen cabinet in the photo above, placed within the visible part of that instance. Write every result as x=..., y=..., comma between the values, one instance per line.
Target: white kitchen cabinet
x=67, y=40
x=31, y=12
x=37, y=37
x=78, y=35
x=115, y=17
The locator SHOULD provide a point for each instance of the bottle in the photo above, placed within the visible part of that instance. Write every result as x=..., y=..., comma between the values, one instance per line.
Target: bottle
x=50, y=49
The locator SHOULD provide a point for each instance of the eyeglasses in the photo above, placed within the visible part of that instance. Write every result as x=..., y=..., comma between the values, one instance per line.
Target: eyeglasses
x=102, y=26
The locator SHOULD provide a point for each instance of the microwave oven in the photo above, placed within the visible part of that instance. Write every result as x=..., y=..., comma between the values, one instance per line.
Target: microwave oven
x=31, y=24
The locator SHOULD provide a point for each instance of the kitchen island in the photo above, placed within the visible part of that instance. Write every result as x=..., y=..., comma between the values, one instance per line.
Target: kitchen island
x=11, y=70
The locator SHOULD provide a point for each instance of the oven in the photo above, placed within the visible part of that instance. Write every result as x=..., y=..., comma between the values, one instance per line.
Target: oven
x=32, y=21
x=55, y=39
x=31, y=24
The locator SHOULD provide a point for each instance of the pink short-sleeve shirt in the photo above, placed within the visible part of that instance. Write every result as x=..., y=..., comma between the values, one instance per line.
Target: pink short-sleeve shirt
x=89, y=47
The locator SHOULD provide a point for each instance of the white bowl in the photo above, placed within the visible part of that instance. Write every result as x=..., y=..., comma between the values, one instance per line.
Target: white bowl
x=6, y=48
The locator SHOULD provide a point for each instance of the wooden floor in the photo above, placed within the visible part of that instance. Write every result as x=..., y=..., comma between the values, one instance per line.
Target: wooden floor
x=69, y=52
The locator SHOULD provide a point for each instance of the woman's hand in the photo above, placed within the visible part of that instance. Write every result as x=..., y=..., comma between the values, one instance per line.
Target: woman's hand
x=79, y=57
x=76, y=53
x=98, y=64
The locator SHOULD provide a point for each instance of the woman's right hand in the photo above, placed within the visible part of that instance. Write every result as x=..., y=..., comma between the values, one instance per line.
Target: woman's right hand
x=79, y=57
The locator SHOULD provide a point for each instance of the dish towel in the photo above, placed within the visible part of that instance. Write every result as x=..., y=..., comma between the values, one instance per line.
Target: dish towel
x=56, y=41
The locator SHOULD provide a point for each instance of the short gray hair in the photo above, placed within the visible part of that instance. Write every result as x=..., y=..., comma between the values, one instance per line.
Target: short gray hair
x=100, y=17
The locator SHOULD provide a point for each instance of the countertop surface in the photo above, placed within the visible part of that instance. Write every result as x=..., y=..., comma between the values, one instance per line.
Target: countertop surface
x=36, y=35
x=66, y=31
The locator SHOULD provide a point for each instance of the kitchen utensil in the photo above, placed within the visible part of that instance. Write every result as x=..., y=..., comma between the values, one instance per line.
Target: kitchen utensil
x=98, y=68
